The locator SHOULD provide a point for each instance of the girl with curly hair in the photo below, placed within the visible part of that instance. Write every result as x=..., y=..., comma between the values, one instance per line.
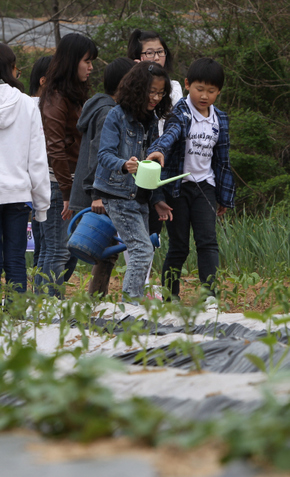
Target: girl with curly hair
x=143, y=97
x=144, y=45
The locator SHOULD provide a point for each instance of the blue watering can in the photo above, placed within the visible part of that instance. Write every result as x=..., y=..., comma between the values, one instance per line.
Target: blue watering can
x=90, y=240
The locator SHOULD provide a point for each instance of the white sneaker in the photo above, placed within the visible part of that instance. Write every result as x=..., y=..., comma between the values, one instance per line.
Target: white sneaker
x=156, y=293
x=211, y=303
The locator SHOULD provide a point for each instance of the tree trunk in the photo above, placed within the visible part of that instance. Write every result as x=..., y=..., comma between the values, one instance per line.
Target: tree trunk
x=55, y=12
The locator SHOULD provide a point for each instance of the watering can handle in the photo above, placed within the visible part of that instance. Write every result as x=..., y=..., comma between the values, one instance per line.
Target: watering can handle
x=138, y=162
x=72, y=224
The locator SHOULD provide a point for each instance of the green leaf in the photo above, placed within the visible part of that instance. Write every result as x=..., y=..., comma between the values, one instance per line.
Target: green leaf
x=257, y=361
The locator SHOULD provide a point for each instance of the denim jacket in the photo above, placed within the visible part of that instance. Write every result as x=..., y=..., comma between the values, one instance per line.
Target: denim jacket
x=172, y=145
x=122, y=138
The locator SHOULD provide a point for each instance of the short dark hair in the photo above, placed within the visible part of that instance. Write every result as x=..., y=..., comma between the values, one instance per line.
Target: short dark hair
x=39, y=70
x=7, y=64
x=135, y=45
x=206, y=70
x=114, y=72
x=133, y=91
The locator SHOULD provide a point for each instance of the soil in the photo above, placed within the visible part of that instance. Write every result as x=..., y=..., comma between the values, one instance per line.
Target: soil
x=245, y=300
x=200, y=461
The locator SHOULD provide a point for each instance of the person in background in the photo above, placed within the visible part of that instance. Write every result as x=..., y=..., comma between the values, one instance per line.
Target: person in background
x=36, y=83
x=24, y=179
x=143, y=96
x=196, y=140
x=65, y=92
x=83, y=194
x=150, y=46
x=37, y=76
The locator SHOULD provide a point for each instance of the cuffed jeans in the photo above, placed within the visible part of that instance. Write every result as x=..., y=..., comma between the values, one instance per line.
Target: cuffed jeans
x=13, y=243
x=130, y=218
x=195, y=207
x=55, y=256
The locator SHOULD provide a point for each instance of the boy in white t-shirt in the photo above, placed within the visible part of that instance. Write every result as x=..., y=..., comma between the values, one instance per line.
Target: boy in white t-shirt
x=195, y=140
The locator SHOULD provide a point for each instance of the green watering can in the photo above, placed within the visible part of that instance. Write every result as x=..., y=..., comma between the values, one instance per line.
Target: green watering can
x=148, y=175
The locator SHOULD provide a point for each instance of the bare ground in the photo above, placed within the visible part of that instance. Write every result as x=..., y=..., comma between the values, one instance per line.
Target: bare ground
x=253, y=298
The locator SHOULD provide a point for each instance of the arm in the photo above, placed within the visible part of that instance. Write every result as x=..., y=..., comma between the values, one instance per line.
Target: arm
x=94, y=145
x=225, y=185
x=55, y=117
x=221, y=210
x=38, y=168
x=164, y=211
x=172, y=133
x=111, y=135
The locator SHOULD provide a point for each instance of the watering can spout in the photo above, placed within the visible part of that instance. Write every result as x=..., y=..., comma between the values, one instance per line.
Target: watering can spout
x=171, y=179
x=148, y=175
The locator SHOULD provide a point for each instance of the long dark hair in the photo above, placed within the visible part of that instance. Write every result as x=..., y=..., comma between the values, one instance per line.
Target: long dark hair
x=62, y=74
x=133, y=91
x=7, y=64
x=135, y=45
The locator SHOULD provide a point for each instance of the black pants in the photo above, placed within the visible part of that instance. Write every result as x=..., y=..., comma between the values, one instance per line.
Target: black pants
x=195, y=207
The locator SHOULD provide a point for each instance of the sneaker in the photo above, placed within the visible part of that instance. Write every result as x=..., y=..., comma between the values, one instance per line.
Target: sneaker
x=156, y=293
x=211, y=303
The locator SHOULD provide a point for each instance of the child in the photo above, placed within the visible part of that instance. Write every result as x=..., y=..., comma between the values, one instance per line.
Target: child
x=196, y=140
x=150, y=46
x=37, y=76
x=24, y=171
x=65, y=92
x=36, y=84
x=143, y=96
x=90, y=124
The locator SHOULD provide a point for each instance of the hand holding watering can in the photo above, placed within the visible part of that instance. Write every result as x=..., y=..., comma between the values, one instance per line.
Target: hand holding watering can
x=149, y=172
x=132, y=165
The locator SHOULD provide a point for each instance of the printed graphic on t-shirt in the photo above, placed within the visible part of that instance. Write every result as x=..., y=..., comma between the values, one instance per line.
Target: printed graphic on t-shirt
x=201, y=144
x=201, y=139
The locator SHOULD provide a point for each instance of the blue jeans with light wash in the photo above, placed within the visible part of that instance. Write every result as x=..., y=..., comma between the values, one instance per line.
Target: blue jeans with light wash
x=131, y=220
x=13, y=243
x=55, y=256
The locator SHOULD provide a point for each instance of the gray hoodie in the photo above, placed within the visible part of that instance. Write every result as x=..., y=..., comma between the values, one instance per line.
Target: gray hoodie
x=90, y=124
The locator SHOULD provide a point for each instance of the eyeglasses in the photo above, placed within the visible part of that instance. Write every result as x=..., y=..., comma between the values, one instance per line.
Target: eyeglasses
x=151, y=53
x=18, y=72
x=152, y=94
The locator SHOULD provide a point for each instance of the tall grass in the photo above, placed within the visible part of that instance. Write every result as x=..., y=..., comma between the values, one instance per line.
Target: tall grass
x=247, y=243
x=259, y=243
x=256, y=243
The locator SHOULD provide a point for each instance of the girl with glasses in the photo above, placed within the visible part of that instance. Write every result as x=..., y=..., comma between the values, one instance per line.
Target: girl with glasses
x=142, y=97
x=150, y=46
x=24, y=179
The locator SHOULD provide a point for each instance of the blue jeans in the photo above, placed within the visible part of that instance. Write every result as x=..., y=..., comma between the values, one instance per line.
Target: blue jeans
x=13, y=242
x=54, y=254
x=36, y=237
x=131, y=221
x=195, y=207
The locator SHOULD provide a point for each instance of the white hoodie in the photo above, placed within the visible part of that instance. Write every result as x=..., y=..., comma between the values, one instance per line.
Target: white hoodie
x=24, y=175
